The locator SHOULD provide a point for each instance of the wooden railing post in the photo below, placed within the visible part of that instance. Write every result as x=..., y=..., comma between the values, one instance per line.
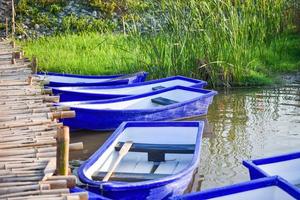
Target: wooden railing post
x=30, y=80
x=6, y=27
x=13, y=44
x=13, y=26
x=34, y=65
x=62, y=153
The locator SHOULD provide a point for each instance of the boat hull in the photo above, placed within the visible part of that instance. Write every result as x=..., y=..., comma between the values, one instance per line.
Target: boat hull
x=104, y=120
x=177, y=187
x=161, y=191
x=136, y=78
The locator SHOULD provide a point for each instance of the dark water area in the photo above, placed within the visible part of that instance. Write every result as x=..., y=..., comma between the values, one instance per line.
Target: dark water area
x=241, y=124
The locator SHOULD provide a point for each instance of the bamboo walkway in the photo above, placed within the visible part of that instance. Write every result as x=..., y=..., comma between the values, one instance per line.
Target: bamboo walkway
x=29, y=132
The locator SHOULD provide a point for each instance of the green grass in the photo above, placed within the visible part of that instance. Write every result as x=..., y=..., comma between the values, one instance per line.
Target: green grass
x=283, y=55
x=110, y=54
x=84, y=54
x=225, y=42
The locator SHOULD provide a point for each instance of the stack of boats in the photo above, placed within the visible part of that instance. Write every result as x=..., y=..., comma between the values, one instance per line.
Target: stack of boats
x=148, y=157
x=115, y=99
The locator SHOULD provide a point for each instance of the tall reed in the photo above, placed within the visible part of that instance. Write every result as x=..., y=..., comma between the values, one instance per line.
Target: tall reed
x=217, y=38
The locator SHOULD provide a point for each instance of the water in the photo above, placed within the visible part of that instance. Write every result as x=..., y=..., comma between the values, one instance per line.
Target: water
x=241, y=124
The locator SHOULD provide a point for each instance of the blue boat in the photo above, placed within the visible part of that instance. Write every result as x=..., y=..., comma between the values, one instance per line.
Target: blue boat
x=166, y=104
x=110, y=92
x=159, y=164
x=286, y=166
x=270, y=188
x=60, y=80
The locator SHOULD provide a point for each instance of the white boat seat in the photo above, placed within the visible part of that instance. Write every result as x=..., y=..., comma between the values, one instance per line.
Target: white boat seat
x=156, y=152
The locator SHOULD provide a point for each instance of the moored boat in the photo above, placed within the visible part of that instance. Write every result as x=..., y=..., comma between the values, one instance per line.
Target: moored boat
x=60, y=80
x=145, y=160
x=110, y=92
x=286, y=166
x=270, y=188
x=166, y=104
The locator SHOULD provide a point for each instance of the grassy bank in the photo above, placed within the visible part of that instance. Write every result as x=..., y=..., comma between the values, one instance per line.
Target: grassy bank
x=109, y=54
x=225, y=42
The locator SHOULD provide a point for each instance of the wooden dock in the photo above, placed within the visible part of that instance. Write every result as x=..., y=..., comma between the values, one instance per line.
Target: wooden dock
x=29, y=132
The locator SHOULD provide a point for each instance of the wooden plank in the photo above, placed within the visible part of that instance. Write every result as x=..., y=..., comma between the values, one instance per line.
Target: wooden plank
x=129, y=177
x=163, y=148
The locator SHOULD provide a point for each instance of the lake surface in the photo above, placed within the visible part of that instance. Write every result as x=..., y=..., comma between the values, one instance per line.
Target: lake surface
x=241, y=124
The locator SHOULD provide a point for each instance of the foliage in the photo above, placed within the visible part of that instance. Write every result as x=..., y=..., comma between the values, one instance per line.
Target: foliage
x=121, y=7
x=55, y=8
x=85, y=24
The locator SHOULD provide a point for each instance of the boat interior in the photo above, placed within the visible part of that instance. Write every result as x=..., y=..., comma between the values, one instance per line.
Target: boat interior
x=148, y=102
x=157, y=153
x=289, y=170
x=130, y=90
x=270, y=193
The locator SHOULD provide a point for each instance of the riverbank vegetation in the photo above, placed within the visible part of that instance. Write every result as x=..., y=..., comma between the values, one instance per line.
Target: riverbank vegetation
x=225, y=42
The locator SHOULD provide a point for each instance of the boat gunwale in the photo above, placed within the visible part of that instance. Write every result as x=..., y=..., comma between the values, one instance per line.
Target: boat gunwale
x=253, y=165
x=139, y=76
x=121, y=186
x=85, y=76
x=244, y=187
x=210, y=93
x=198, y=83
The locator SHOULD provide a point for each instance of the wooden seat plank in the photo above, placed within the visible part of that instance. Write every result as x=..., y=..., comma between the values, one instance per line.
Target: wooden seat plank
x=163, y=148
x=129, y=177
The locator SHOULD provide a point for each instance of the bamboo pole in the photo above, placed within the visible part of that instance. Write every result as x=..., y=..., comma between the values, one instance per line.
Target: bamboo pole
x=13, y=44
x=50, y=169
x=6, y=27
x=40, y=127
x=63, y=140
x=41, y=191
x=34, y=65
x=52, y=116
x=7, y=190
x=71, y=180
x=30, y=80
x=13, y=18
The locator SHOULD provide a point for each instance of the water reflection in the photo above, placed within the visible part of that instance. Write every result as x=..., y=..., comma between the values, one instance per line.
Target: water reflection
x=241, y=124
x=249, y=124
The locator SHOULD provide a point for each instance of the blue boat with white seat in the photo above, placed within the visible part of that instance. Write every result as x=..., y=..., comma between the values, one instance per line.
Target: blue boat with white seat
x=145, y=160
x=165, y=104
